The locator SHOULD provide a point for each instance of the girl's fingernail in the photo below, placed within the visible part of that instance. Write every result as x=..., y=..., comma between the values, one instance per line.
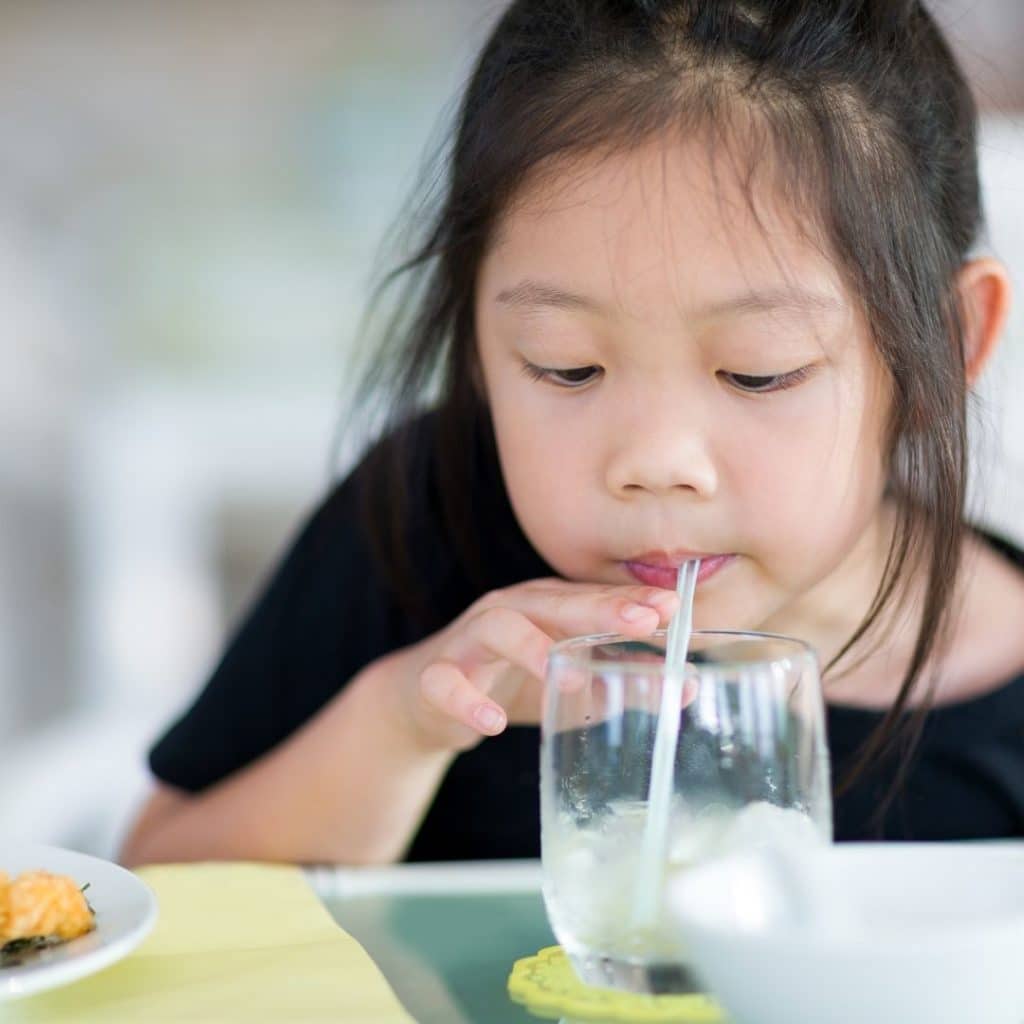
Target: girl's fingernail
x=490, y=718
x=635, y=612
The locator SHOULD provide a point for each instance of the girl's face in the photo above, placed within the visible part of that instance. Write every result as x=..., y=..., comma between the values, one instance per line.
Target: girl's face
x=670, y=375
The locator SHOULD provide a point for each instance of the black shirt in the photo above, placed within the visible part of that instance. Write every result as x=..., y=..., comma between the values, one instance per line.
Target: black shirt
x=327, y=612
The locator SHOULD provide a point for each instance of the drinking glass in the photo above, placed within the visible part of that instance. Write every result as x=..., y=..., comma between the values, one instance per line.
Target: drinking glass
x=750, y=768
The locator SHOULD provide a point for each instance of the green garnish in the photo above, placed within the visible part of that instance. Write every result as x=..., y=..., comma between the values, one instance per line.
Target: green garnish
x=13, y=952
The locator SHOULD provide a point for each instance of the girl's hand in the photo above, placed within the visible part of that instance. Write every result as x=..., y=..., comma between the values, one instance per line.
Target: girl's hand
x=484, y=670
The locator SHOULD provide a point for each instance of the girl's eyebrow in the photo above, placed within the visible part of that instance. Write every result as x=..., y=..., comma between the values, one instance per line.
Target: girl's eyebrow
x=790, y=300
x=529, y=295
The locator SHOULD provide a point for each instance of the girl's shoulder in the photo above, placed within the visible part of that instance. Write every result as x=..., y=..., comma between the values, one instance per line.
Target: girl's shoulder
x=985, y=655
x=987, y=648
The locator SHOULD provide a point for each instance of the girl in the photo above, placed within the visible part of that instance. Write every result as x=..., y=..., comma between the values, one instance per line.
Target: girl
x=700, y=283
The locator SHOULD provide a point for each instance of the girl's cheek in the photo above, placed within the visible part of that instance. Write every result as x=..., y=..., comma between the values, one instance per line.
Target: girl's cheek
x=791, y=514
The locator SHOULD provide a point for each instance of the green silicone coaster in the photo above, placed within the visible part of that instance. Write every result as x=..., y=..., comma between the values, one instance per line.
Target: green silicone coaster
x=547, y=986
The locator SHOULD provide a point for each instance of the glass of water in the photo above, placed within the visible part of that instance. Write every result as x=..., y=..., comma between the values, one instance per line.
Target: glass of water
x=750, y=768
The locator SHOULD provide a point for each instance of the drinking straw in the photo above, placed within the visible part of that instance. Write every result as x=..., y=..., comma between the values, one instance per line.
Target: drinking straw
x=659, y=796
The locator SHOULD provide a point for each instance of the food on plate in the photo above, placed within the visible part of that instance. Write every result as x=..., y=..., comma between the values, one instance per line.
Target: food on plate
x=39, y=909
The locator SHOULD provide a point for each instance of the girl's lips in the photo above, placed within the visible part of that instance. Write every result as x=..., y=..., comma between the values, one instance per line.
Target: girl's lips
x=664, y=576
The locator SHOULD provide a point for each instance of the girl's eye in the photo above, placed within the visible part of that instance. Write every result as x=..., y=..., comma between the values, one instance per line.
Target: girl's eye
x=573, y=377
x=759, y=385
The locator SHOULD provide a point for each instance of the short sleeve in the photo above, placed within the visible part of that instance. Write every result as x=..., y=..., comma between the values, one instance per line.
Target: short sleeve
x=324, y=615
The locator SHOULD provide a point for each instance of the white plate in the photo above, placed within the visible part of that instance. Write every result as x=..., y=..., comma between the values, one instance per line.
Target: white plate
x=919, y=933
x=125, y=912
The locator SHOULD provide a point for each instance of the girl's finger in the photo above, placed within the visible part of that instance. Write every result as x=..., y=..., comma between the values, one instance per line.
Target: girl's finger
x=445, y=688
x=577, y=609
x=501, y=634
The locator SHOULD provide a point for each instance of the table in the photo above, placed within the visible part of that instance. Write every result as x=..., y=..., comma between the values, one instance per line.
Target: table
x=445, y=935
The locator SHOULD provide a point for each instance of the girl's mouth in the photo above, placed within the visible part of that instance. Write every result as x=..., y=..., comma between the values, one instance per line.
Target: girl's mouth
x=659, y=571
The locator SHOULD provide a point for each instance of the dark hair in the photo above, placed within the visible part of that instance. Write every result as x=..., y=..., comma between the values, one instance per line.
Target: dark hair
x=863, y=106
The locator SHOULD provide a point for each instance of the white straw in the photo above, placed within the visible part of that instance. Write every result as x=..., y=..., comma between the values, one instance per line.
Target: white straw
x=659, y=796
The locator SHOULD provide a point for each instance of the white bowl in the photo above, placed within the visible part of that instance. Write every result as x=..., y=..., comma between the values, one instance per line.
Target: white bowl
x=866, y=933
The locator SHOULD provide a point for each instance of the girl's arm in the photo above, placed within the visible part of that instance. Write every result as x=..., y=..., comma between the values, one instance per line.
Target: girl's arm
x=349, y=787
x=352, y=785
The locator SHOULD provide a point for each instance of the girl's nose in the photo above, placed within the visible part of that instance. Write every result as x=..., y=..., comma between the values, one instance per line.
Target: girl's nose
x=661, y=459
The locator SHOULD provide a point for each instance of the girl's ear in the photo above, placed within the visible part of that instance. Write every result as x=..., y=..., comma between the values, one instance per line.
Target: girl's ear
x=983, y=286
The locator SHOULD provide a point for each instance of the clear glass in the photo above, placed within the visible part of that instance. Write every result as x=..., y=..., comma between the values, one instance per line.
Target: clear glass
x=751, y=767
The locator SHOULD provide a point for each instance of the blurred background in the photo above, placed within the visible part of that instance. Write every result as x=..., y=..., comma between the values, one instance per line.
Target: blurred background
x=192, y=198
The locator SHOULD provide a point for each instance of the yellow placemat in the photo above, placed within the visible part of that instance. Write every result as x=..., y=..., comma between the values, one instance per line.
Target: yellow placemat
x=547, y=986
x=234, y=942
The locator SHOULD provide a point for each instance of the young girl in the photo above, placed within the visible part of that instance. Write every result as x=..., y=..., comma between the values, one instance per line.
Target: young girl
x=701, y=283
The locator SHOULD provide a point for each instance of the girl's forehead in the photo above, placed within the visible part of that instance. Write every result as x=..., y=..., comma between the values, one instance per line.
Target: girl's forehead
x=660, y=220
